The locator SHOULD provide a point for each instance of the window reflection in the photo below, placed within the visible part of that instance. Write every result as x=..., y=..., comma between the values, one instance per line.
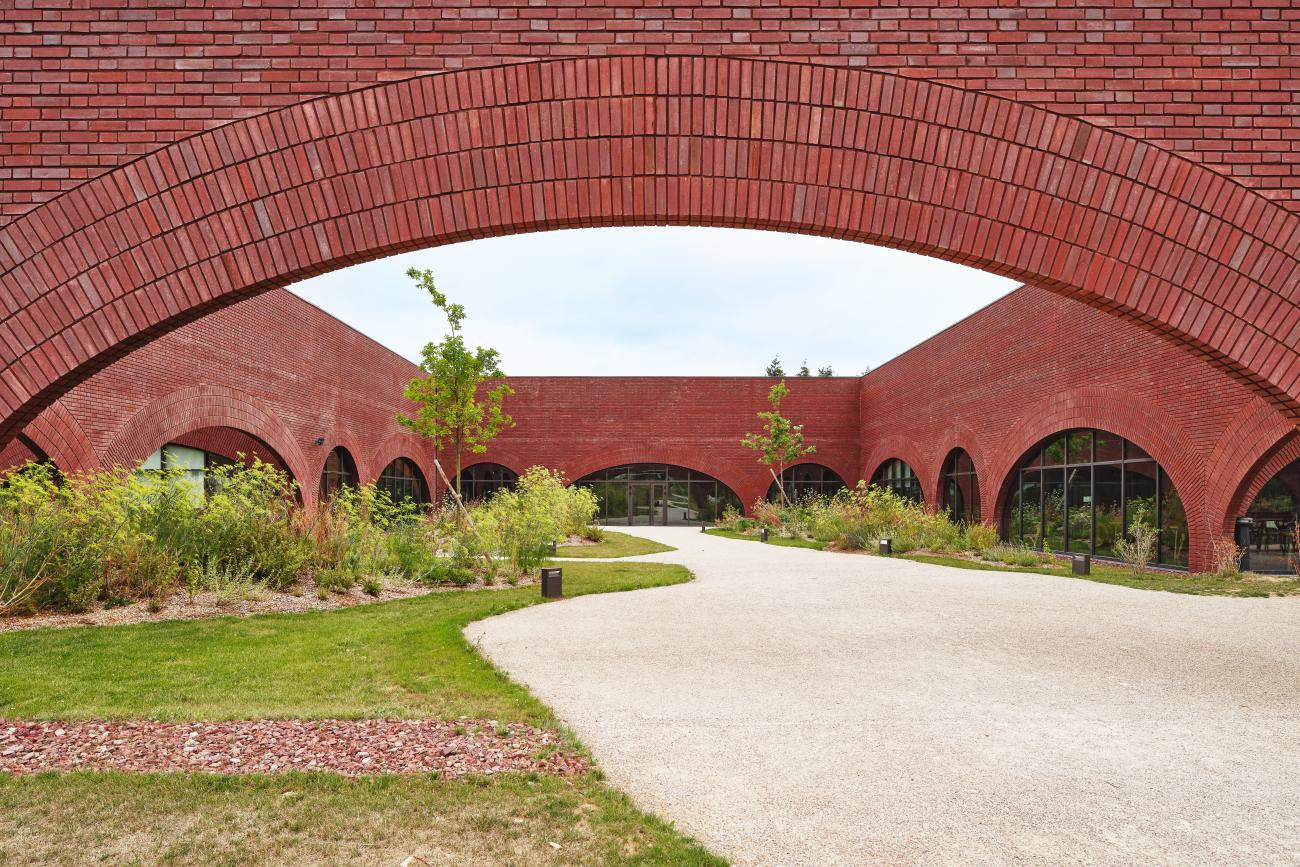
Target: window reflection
x=1274, y=512
x=807, y=479
x=402, y=481
x=340, y=470
x=896, y=475
x=480, y=481
x=961, y=490
x=658, y=494
x=1081, y=492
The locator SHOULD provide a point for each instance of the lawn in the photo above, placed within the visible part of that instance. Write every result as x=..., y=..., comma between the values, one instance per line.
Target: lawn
x=1173, y=582
x=393, y=659
x=772, y=539
x=405, y=658
x=615, y=545
x=305, y=818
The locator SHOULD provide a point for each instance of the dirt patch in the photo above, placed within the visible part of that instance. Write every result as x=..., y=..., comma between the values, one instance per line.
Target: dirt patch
x=182, y=606
x=350, y=747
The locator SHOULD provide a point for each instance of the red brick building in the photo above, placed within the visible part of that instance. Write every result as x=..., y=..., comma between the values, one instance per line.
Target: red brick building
x=1136, y=164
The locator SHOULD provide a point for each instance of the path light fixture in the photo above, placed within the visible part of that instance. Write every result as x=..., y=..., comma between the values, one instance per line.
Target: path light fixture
x=704, y=525
x=552, y=583
x=764, y=534
x=1081, y=564
x=553, y=548
x=886, y=547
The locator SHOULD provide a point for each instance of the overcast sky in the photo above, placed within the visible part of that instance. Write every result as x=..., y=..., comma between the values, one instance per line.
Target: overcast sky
x=643, y=301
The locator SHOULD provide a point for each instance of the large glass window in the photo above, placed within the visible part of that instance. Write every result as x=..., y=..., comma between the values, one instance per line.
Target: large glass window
x=340, y=471
x=1275, y=510
x=805, y=479
x=646, y=494
x=1082, y=490
x=896, y=475
x=482, y=480
x=402, y=480
x=960, y=488
x=189, y=467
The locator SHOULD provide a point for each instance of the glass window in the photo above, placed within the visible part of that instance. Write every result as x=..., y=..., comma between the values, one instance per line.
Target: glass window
x=896, y=475
x=480, y=481
x=1274, y=511
x=660, y=494
x=402, y=480
x=340, y=470
x=1078, y=487
x=1088, y=504
x=805, y=480
x=960, y=488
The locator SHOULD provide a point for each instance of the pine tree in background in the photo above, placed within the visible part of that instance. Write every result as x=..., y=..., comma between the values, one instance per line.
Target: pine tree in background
x=774, y=367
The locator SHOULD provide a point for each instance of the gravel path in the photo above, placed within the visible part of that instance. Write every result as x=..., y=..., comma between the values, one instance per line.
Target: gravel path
x=350, y=747
x=799, y=707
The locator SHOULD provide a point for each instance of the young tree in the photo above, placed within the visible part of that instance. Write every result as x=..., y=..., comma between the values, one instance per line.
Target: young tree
x=825, y=371
x=774, y=367
x=452, y=412
x=803, y=369
x=781, y=441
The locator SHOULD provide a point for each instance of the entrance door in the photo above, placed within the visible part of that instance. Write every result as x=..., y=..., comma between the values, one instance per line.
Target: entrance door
x=647, y=504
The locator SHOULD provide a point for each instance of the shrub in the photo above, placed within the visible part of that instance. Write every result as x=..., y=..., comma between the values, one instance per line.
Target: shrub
x=1225, y=558
x=520, y=524
x=981, y=537
x=1013, y=555
x=1139, y=549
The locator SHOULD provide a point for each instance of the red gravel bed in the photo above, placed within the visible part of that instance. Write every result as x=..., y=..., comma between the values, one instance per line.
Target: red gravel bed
x=349, y=747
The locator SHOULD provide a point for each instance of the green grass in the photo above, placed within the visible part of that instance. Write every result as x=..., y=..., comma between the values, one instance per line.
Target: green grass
x=1173, y=582
x=615, y=545
x=304, y=818
x=772, y=539
x=395, y=659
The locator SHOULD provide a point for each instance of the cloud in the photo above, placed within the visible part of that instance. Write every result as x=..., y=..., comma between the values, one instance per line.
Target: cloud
x=663, y=300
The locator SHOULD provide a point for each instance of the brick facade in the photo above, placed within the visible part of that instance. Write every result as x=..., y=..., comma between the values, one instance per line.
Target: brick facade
x=270, y=375
x=161, y=164
x=86, y=89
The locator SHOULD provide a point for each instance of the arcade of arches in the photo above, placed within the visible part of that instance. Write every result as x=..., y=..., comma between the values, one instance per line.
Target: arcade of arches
x=147, y=219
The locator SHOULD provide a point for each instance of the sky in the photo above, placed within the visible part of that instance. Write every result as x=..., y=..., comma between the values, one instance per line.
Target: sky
x=662, y=300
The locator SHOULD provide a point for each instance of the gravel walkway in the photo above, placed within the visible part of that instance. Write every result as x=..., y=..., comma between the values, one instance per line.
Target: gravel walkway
x=800, y=707
x=350, y=747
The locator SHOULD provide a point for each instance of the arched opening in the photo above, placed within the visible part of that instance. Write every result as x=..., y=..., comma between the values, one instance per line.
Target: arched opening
x=480, y=481
x=340, y=471
x=898, y=476
x=959, y=488
x=805, y=480
x=658, y=494
x=1274, y=513
x=403, y=482
x=1080, y=491
x=193, y=457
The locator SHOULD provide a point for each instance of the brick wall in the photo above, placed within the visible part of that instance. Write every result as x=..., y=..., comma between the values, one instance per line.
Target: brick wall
x=1033, y=364
x=89, y=86
x=583, y=424
x=273, y=368
x=278, y=372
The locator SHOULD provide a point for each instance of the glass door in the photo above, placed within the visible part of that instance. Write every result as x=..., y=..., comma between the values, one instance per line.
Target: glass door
x=647, y=503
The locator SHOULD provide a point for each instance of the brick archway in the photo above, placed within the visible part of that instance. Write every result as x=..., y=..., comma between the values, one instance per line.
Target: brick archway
x=848, y=153
x=190, y=409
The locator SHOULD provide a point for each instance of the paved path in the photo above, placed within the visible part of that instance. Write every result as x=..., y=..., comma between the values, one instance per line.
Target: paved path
x=799, y=707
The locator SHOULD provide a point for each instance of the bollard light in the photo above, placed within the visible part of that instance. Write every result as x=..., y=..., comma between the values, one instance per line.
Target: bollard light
x=552, y=583
x=704, y=526
x=886, y=547
x=764, y=534
x=1081, y=564
x=553, y=549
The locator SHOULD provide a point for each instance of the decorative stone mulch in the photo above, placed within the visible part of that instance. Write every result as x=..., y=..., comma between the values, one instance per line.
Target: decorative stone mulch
x=349, y=747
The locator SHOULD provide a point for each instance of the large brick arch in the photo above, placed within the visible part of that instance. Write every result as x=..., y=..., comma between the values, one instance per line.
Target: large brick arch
x=1111, y=410
x=189, y=409
x=856, y=154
